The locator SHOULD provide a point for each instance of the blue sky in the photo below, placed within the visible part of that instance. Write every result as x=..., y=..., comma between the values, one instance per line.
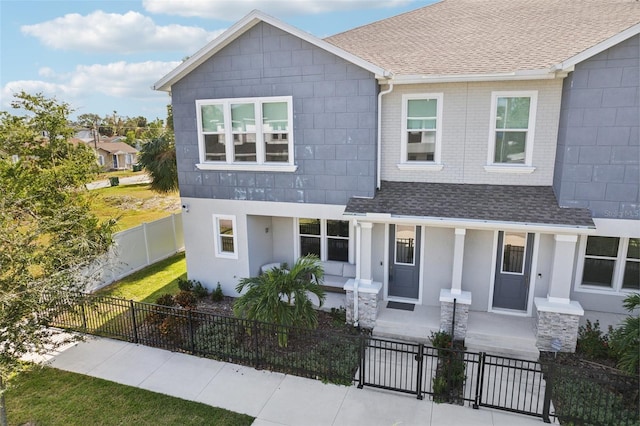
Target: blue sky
x=104, y=56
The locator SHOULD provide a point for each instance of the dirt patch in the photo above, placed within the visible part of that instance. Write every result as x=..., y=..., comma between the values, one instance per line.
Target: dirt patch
x=157, y=202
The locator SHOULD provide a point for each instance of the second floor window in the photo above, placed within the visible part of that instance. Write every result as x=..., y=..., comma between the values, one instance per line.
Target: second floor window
x=421, y=128
x=254, y=131
x=512, y=125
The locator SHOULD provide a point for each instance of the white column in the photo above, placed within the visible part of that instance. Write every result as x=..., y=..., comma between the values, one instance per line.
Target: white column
x=364, y=254
x=458, y=255
x=561, y=277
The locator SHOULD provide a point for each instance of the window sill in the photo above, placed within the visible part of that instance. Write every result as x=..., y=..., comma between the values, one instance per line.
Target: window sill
x=499, y=168
x=248, y=167
x=602, y=290
x=418, y=166
x=227, y=256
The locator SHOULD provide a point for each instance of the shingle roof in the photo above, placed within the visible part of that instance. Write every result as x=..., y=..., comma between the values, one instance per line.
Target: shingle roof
x=488, y=36
x=112, y=147
x=489, y=203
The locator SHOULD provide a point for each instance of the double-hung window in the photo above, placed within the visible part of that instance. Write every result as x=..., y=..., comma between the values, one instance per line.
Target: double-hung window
x=225, y=238
x=421, y=136
x=246, y=134
x=611, y=263
x=327, y=239
x=512, y=131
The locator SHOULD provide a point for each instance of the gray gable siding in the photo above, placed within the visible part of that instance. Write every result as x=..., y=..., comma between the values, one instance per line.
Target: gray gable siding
x=334, y=125
x=598, y=150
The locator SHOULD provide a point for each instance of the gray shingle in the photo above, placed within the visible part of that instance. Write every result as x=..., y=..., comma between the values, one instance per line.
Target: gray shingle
x=494, y=203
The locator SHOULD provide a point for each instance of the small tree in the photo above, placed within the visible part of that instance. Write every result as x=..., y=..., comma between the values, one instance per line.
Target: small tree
x=281, y=296
x=48, y=233
x=158, y=157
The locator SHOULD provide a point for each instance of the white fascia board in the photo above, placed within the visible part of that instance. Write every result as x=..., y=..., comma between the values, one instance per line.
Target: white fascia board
x=541, y=74
x=239, y=28
x=475, y=223
x=568, y=64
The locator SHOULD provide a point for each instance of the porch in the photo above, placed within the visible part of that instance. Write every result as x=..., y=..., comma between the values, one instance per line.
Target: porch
x=495, y=334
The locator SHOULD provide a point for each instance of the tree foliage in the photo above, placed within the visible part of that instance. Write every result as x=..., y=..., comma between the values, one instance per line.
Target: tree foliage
x=158, y=157
x=625, y=340
x=48, y=234
x=281, y=295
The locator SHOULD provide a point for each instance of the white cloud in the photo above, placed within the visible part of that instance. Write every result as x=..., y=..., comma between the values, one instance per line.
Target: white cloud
x=232, y=10
x=119, y=33
x=130, y=81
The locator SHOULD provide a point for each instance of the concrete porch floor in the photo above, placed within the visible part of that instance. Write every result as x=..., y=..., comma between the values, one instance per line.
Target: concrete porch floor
x=496, y=334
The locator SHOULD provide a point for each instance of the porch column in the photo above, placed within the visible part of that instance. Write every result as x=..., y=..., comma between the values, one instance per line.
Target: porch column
x=363, y=295
x=558, y=316
x=458, y=254
x=363, y=263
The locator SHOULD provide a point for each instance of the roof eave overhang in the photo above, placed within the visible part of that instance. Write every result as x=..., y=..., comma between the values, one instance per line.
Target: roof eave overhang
x=243, y=25
x=538, y=74
x=474, y=223
x=569, y=64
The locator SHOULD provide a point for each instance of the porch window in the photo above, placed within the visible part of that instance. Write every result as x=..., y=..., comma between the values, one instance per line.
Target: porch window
x=513, y=251
x=405, y=244
x=327, y=239
x=225, y=236
x=512, y=125
x=246, y=134
x=421, y=130
x=611, y=263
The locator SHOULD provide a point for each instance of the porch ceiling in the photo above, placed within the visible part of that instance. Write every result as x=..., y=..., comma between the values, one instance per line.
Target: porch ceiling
x=515, y=204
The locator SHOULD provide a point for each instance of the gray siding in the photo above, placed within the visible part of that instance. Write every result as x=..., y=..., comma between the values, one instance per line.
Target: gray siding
x=598, y=145
x=334, y=105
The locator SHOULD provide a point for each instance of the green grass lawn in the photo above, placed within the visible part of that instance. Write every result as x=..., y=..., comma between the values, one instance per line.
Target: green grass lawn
x=133, y=204
x=149, y=283
x=46, y=396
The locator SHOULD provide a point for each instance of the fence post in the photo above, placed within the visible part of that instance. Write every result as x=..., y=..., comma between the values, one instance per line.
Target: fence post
x=546, y=406
x=362, y=362
x=420, y=359
x=132, y=307
x=479, y=381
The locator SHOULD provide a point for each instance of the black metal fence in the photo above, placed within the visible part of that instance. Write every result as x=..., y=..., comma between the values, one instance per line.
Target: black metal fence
x=445, y=375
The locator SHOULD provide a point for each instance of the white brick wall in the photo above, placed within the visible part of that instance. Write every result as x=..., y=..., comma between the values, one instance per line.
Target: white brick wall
x=465, y=137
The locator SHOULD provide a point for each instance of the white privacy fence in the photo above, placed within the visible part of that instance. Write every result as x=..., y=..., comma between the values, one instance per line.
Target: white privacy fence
x=137, y=248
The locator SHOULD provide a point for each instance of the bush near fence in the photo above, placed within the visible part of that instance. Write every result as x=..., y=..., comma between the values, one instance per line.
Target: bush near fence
x=331, y=357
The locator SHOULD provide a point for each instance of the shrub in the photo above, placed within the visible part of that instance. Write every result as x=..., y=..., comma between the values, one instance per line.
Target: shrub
x=165, y=300
x=217, y=295
x=186, y=299
x=185, y=284
x=592, y=342
x=199, y=290
x=448, y=383
x=625, y=340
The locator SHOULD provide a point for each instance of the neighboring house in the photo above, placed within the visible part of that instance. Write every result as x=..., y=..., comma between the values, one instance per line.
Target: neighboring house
x=116, y=155
x=482, y=152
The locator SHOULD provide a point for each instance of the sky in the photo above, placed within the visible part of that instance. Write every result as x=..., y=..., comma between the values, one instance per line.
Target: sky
x=104, y=56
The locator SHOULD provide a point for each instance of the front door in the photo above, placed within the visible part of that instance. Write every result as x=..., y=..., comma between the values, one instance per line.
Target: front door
x=513, y=268
x=404, y=261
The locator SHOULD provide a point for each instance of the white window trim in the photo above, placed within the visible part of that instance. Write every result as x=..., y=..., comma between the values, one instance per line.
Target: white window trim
x=324, y=251
x=618, y=270
x=436, y=164
x=395, y=248
x=527, y=167
x=524, y=254
x=217, y=240
x=260, y=164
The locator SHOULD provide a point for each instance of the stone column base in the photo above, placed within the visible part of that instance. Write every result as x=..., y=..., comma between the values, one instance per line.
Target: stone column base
x=557, y=325
x=368, y=303
x=463, y=301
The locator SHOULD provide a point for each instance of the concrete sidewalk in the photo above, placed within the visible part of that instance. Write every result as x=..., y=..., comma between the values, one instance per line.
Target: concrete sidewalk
x=273, y=398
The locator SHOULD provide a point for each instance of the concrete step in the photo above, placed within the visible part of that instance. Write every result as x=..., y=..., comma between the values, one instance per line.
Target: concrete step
x=413, y=334
x=510, y=347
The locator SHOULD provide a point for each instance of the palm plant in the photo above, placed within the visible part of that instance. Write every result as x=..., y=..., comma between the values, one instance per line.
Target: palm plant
x=625, y=340
x=281, y=296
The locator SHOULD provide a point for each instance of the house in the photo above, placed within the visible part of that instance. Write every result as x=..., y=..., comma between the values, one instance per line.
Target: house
x=471, y=156
x=112, y=153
